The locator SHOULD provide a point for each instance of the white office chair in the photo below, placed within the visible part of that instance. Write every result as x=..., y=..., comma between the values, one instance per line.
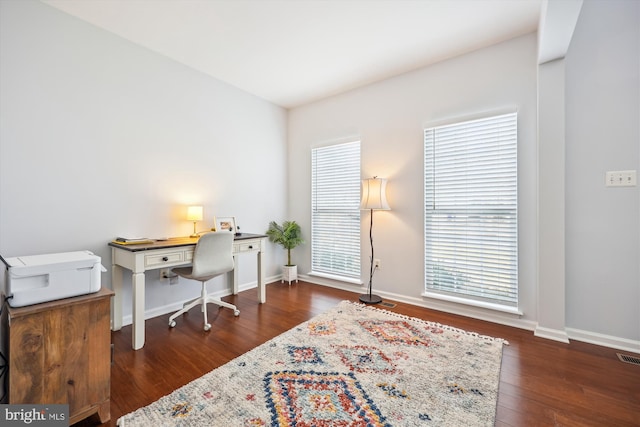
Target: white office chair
x=212, y=257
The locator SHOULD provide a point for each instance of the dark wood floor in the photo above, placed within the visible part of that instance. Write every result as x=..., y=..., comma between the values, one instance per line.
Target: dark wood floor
x=542, y=382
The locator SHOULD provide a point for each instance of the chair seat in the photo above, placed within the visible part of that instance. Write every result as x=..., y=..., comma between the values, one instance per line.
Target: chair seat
x=187, y=273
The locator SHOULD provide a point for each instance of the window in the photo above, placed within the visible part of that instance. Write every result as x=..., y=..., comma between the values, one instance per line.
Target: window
x=335, y=210
x=471, y=215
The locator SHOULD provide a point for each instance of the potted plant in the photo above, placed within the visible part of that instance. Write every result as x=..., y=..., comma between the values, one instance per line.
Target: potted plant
x=287, y=235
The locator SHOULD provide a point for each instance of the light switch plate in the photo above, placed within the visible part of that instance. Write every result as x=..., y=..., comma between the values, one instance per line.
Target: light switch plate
x=626, y=178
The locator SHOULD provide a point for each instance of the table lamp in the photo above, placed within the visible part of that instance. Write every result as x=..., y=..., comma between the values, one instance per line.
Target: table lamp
x=374, y=197
x=194, y=213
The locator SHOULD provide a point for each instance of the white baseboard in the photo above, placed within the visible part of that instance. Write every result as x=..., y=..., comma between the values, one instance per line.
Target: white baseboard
x=604, y=340
x=551, y=334
x=319, y=280
x=478, y=313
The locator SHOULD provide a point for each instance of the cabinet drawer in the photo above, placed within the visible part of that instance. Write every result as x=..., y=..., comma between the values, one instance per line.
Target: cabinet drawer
x=168, y=258
x=246, y=247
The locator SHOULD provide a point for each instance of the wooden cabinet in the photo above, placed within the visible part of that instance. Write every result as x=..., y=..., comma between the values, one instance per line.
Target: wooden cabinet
x=60, y=352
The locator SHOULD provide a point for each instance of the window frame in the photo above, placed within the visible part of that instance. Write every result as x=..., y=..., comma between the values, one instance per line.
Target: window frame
x=508, y=303
x=336, y=255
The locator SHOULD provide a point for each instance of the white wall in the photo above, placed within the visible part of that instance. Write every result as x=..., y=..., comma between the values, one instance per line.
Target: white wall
x=100, y=138
x=603, y=133
x=389, y=117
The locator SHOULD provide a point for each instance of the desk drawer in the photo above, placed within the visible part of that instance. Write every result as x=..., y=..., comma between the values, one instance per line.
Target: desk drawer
x=246, y=247
x=168, y=258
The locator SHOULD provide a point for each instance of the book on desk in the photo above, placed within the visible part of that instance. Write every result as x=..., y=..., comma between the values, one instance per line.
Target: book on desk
x=132, y=241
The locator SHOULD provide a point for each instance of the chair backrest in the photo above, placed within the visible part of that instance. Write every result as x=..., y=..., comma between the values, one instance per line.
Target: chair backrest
x=213, y=254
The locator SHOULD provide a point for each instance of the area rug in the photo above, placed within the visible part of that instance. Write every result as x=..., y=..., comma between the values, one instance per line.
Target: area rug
x=353, y=365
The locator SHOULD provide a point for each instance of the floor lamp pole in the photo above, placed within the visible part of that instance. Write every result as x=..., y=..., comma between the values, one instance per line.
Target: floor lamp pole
x=370, y=298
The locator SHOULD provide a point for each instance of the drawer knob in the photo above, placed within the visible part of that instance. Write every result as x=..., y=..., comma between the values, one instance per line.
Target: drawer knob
x=250, y=246
x=165, y=259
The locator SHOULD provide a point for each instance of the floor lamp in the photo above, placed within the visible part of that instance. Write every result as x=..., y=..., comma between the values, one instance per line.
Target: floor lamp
x=374, y=197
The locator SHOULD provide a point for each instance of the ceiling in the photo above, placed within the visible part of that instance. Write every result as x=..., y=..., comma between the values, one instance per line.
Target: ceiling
x=294, y=52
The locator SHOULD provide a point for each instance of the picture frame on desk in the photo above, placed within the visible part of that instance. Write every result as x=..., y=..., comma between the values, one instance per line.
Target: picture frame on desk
x=225, y=223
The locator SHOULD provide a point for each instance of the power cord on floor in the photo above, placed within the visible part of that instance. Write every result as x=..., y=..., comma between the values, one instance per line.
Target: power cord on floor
x=3, y=370
x=4, y=364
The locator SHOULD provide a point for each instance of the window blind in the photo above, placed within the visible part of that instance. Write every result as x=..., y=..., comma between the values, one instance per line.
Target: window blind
x=335, y=211
x=471, y=206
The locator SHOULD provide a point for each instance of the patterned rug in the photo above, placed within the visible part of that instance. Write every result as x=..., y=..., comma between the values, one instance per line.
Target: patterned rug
x=350, y=366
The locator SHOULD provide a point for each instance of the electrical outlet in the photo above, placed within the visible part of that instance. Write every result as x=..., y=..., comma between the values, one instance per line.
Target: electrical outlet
x=377, y=264
x=621, y=178
x=166, y=274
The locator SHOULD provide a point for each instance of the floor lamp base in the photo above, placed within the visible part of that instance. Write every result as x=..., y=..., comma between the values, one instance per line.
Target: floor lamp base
x=370, y=299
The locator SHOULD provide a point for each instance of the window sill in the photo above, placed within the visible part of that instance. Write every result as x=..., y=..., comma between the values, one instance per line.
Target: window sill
x=474, y=303
x=336, y=277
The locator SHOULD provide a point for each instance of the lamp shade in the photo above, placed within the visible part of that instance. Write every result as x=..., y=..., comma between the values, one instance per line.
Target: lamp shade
x=194, y=213
x=374, y=194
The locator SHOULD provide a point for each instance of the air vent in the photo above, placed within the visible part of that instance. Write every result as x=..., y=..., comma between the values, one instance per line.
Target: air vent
x=387, y=304
x=629, y=359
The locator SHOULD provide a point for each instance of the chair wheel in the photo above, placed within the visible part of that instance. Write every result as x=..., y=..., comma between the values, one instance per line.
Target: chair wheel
x=236, y=313
x=207, y=326
x=172, y=324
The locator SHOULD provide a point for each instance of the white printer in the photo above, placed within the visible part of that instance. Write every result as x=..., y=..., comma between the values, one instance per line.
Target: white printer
x=39, y=278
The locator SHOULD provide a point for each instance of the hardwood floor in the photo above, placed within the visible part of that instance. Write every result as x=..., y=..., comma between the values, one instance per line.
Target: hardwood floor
x=542, y=382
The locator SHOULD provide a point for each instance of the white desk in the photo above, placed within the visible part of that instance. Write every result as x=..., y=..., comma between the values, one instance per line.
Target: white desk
x=163, y=254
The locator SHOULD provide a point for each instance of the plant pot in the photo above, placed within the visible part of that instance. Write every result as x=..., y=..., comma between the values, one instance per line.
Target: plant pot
x=289, y=273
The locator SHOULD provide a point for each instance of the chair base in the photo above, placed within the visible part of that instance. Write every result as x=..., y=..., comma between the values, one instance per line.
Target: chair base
x=203, y=300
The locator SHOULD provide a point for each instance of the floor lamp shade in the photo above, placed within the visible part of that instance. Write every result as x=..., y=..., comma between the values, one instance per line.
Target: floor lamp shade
x=374, y=194
x=374, y=197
